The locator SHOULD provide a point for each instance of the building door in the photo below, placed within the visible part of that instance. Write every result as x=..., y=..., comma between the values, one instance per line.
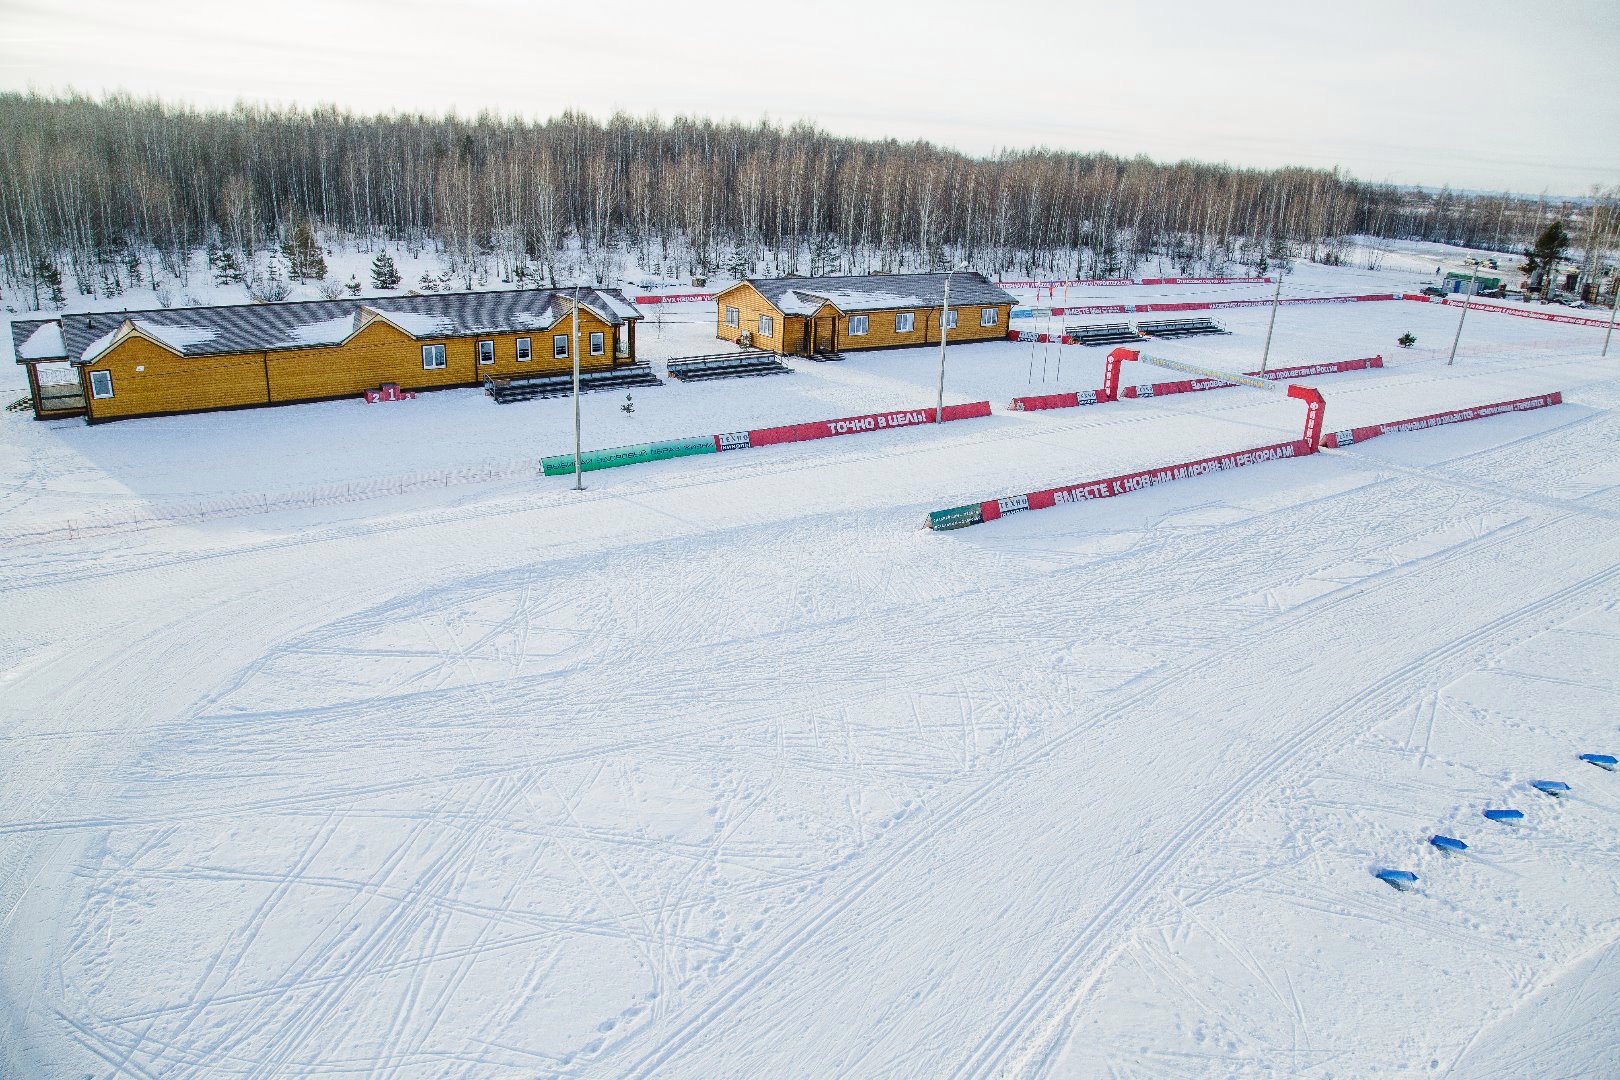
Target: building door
x=826, y=334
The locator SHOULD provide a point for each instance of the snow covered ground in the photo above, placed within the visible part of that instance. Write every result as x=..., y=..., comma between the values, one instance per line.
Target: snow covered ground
x=338, y=742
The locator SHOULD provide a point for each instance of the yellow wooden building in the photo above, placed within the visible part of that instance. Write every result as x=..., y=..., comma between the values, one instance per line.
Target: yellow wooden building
x=806, y=316
x=120, y=365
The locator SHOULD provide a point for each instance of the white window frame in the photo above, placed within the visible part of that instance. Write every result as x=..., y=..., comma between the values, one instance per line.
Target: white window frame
x=489, y=352
x=101, y=385
x=525, y=351
x=559, y=346
x=733, y=317
x=950, y=318
x=858, y=325
x=767, y=326
x=433, y=358
x=598, y=343
x=989, y=316
x=905, y=322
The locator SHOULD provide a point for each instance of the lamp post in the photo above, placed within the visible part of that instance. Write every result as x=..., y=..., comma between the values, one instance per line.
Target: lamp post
x=1276, y=298
x=1473, y=275
x=579, y=478
x=944, y=317
x=1614, y=306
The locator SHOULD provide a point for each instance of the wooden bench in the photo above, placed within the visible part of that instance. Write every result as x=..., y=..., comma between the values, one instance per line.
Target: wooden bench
x=1179, y=328
x=512, y=388
x=1102, y=334
x=726, y=366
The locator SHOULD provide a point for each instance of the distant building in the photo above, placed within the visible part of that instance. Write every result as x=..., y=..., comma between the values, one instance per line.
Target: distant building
x=1483, y=284
x=119, y=365
x=803, y=316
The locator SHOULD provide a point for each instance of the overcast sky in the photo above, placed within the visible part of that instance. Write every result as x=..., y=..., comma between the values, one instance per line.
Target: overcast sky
x=1480, y=94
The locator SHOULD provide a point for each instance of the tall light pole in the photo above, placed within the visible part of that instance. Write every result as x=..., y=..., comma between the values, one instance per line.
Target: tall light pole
x=944, y=317
x=579, y=477
x=1473, y=275
x=1276, y=298
x=1614, y=306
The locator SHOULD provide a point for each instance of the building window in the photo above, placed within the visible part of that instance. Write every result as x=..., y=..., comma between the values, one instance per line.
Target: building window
x=950, y=318
x=988, y=316
x=905, y=322
x=733, y=317
x=101, y=384
x=523, y=353
x=559, y=346
x=432, y=357
x=486, y=352
x=857, y=326
x=766, y=326
x=598, y=343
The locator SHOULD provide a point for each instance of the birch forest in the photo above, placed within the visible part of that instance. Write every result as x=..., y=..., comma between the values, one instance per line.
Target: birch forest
x=102, y=194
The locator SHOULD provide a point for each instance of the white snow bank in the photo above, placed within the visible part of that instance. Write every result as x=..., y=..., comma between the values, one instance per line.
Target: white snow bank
x=43, y=344
x=330, y=332
x=178, y=338
x=415, y=323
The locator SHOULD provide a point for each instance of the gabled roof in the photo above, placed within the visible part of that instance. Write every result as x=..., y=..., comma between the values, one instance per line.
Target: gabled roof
x=247, y=328
x=878, y=292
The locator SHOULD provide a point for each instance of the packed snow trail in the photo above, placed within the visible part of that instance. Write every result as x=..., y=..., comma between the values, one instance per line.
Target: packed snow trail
x=737, y=772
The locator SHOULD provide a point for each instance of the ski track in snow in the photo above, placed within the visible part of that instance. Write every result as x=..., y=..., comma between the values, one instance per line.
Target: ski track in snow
x=725, y=768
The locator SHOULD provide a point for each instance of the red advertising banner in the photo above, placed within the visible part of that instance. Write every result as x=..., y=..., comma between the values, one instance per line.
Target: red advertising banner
x=1454, y=416
x=675, y=298
x=1300, y=371
x=1206, y=281
x=1053, y=401
x=1542, y=316
x=849, y=425
x=1136, y=481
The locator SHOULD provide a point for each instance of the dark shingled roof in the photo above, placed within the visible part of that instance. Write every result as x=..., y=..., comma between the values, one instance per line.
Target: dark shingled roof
x=244, y=328
x=880, y=292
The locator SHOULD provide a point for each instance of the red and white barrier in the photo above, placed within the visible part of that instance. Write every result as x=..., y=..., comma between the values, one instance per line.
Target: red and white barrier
x=1053, y=401
x=1146, y=478
x=1088, y=283
x=1453, y=416
x=1315, y=406
x=848, y=425
x=1301, y=371
x=1542, y=316
x=675, y=298
x=1141, y=309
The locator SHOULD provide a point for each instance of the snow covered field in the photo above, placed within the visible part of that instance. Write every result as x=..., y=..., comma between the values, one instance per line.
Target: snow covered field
x=339, y=743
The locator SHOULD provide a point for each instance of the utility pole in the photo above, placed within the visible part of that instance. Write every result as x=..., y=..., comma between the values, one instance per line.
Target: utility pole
x=1613, y=307
x=944, y=317
x=579, y=479
x=1473, y=275
x=1276, y=298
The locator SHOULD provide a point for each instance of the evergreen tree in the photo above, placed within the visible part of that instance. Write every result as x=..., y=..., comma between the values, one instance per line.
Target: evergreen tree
x=353, y=286
x=227, y=268
x=304, y=259
x=384, y=274
x=1540, y=260
x=737, y=263
x=427, y=283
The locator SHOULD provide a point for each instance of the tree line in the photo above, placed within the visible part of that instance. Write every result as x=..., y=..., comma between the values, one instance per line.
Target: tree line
x=102, y=194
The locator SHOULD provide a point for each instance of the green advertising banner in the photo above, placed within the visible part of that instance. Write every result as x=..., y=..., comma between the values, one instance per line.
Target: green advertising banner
x=957, y=517
x=615, y=456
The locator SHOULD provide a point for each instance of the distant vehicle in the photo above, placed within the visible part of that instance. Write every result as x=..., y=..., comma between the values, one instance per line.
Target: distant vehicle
x=1567, y=300
x=1492, y=264
x=1433, y=290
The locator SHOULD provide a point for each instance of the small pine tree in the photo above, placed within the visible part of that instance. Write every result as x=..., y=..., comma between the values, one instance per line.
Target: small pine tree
x=353, y=286
x=1540, y=260
x=629, y=405
x=384, y=274
x=427, y=283
x=304, y=259
x=737, y=263
x=1406, y=340
x=50, y=279
x=227, y=268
